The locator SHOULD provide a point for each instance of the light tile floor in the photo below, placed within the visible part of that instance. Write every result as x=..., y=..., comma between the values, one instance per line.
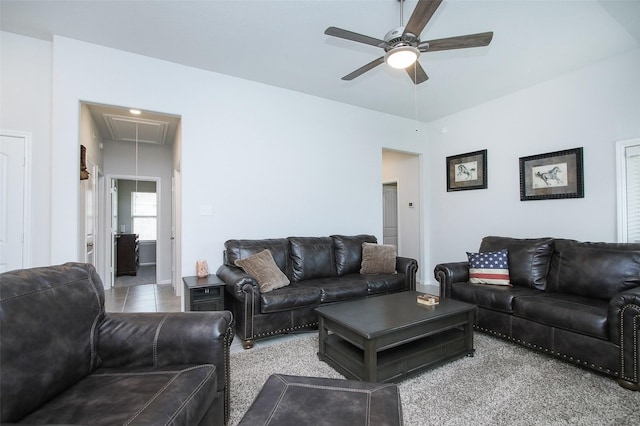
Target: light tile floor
x=142, y=298
x=161, y=298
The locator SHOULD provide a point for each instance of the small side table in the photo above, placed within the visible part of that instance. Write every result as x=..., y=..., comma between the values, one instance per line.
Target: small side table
x=203, y=294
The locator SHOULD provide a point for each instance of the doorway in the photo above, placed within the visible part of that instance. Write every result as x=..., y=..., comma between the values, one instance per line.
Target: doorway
x=402, y=195
x=133, y=145
x=136, y=222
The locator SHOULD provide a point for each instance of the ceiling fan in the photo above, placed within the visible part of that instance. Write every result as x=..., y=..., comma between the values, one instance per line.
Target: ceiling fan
x=403, y=45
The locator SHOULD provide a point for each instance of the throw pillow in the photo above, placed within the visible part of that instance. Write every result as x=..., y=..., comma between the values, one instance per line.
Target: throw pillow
x=489, y=267
x=263, y=268
x=378, y=259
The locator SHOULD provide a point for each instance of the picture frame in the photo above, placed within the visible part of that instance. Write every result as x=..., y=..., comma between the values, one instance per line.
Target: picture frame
x=554, y=175
x=467, y=171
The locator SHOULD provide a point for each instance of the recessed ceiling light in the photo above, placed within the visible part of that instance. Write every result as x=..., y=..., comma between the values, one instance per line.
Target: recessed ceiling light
x=135, y=111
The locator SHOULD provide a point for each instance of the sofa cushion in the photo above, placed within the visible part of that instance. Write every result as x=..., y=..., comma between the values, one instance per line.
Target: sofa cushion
x=47, y=346
x=348, y=252
x=352, y=286
x=134, y=396
x=386, y=283
x=495, y=297
x=294, y=296
x=378, y=259
x=574, y=313
x=241, y=249
x=529, y=258
x=263, y=268
x=489, y=267
x=595, y=270
x=311, y=257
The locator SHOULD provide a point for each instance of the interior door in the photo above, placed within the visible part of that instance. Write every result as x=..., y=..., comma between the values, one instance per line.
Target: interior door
x=12, y=197
x=176, y=220
x=113, y=229
x=90, y=213
x=390, y=213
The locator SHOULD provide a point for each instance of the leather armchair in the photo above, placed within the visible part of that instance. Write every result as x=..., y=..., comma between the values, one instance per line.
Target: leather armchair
x=64, y=360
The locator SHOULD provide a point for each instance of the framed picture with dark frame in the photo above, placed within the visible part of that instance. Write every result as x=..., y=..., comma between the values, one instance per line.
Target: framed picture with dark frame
x=553, y=175
x=467, y=171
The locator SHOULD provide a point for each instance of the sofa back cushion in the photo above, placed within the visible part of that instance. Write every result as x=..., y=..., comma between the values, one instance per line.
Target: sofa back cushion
x=348, y=252
x=597, y=270
x=529, y=258
x=241, y=249
x=49, y=319
x=311, y=257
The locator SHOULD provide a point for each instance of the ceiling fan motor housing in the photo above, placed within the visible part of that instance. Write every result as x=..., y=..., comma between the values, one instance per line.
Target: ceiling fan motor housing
x=395, y=38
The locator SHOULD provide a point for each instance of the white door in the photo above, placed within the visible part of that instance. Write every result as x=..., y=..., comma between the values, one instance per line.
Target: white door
x=90, y=189
x=390, y=214
x=12, y=201
x=113, y=229
x=176, y=185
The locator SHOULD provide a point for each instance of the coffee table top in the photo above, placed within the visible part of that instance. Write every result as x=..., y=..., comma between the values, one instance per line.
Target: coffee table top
x=378, y=315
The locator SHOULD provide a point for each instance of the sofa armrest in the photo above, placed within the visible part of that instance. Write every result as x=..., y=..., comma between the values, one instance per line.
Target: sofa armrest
x=449, y=273
x=235, y=280
x=409, y=267
x=170, y=338
x=624, y=330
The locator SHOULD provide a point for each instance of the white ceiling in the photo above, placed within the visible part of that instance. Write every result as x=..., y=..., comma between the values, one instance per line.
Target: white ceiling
x=119, y=124
x=282, y=43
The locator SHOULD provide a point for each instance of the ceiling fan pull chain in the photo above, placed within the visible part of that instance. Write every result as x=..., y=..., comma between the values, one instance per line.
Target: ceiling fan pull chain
x=415, y=93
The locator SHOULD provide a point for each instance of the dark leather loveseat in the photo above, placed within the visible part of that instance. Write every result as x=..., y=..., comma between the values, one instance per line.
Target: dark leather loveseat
x=320, y=269
x=65, y=361
x=579, y=301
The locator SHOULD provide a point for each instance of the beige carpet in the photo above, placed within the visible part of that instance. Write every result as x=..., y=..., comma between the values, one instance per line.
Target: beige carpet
x=503, y=384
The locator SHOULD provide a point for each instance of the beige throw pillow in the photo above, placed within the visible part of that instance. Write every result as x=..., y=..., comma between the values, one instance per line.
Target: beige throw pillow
x=263, y=268
x=378, y=259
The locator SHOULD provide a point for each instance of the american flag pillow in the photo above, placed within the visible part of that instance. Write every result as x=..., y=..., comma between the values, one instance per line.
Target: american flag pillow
x=490, y=267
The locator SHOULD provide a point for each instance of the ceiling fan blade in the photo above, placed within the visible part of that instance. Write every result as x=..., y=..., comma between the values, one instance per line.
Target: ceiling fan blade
x=371, y=65
x=417, y=73
x=421, y=15
x=460, y=42
x=350, y=35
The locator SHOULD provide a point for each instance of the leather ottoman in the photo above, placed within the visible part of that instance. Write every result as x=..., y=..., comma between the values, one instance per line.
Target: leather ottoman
x=315, y=401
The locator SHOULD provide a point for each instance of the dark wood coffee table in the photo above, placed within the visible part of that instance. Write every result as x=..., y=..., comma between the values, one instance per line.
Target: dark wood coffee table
x=391, y=337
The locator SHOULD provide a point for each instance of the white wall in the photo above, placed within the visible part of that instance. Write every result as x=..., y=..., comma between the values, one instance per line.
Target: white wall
x=590, y=108
x=273, y=163
x=270, y=162
x=25, y=106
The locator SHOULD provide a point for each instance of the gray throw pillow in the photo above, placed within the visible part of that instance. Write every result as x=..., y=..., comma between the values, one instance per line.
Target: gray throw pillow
x=378, y=259
x=263, y=268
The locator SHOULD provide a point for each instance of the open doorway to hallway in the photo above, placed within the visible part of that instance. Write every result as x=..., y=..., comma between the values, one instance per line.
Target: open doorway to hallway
x=140, y=148
x=402, y=203
x=136, y=238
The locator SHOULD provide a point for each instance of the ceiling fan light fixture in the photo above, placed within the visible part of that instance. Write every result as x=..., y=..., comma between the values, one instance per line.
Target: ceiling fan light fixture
x=401, y=57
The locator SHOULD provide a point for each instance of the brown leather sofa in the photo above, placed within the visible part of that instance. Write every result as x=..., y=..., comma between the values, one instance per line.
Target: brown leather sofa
x=321, y=270
x=65, y=361
x=579, y=301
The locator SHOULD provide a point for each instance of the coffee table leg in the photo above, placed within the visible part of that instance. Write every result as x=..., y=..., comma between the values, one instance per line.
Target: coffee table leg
x=468, y=329
x=370, y=361
x=322, y=334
